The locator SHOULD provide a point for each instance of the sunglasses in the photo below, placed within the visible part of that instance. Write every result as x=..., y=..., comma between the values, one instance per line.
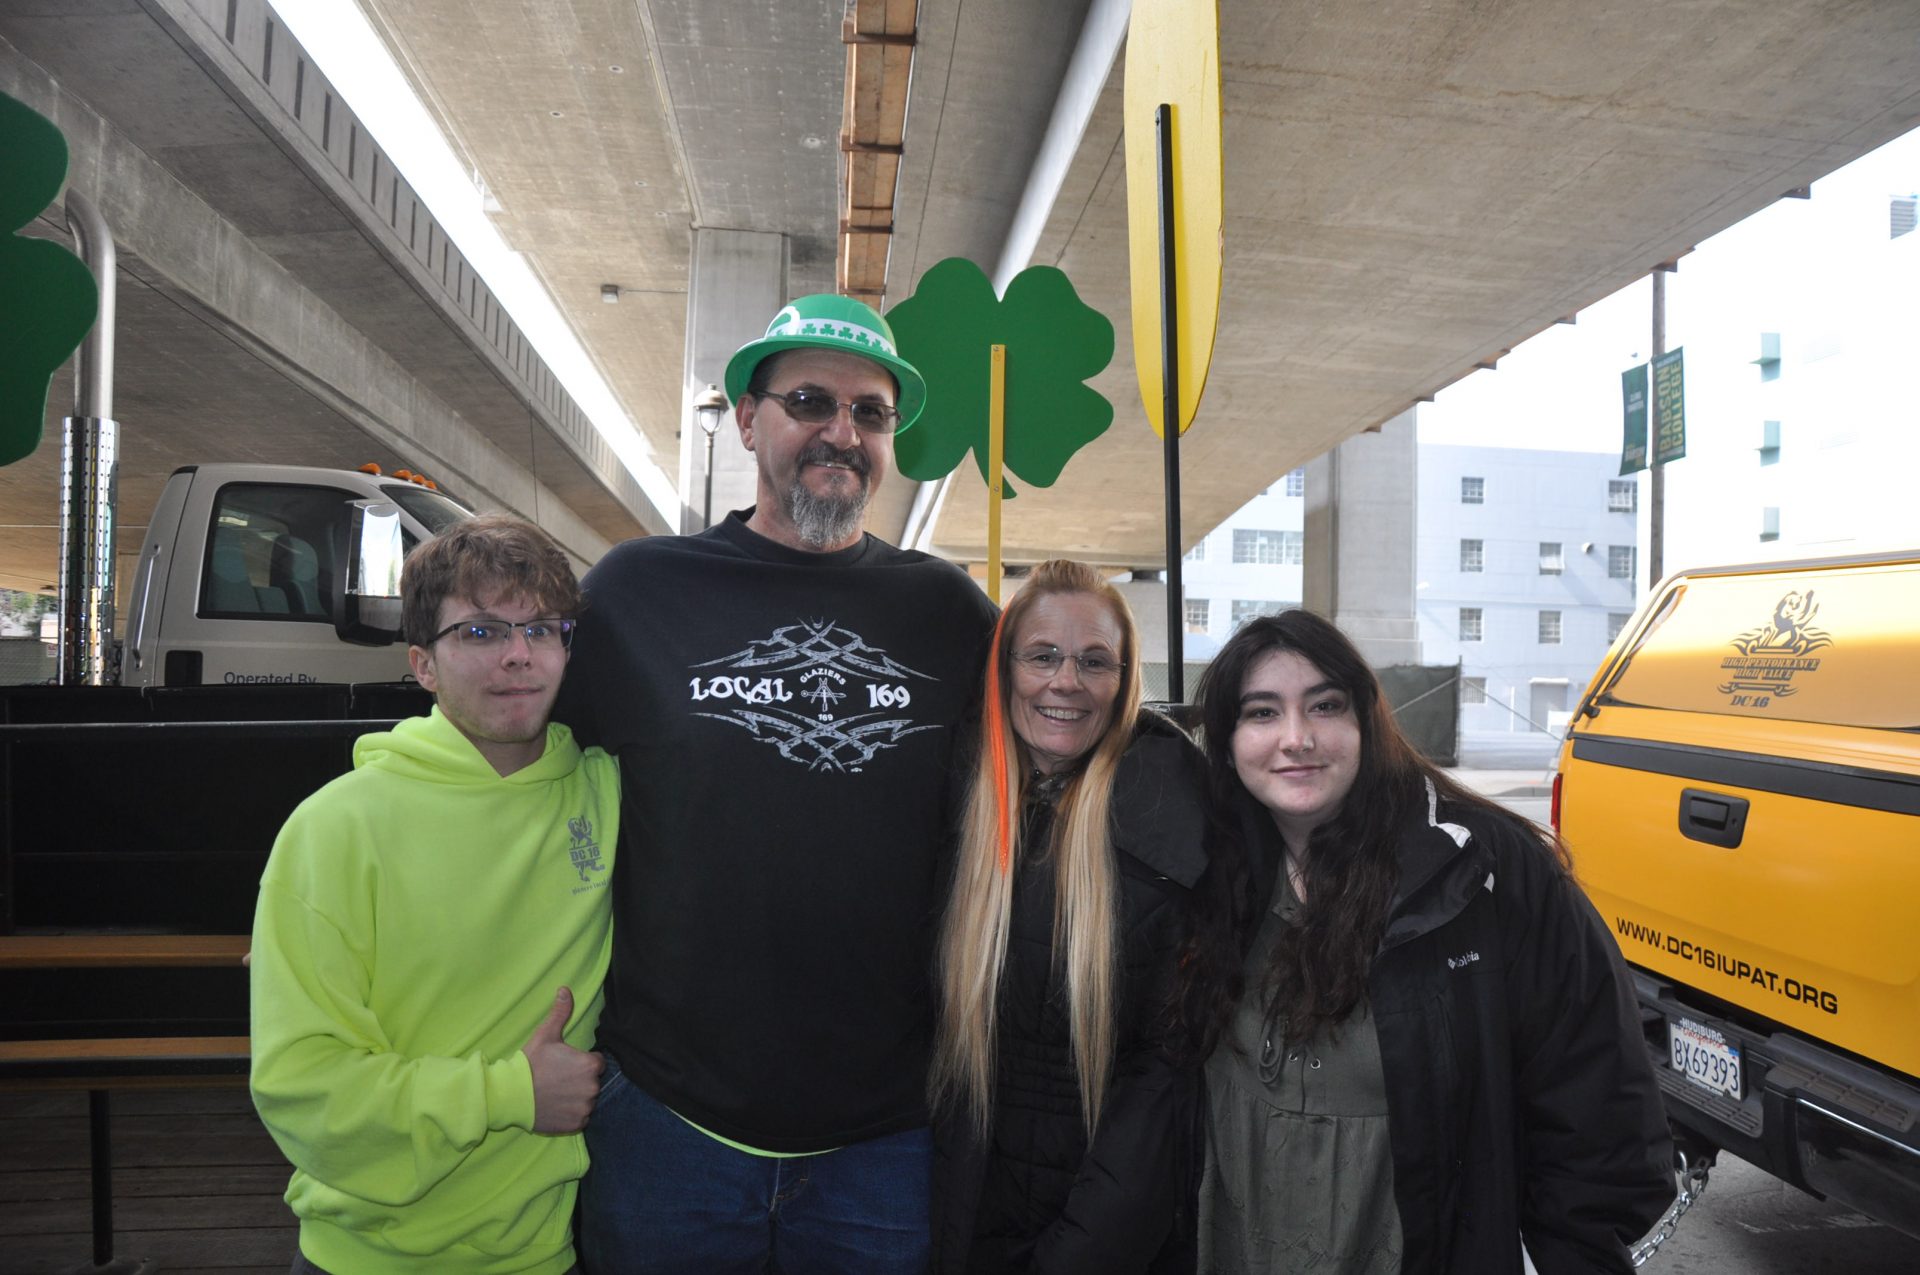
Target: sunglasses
x=811, y=407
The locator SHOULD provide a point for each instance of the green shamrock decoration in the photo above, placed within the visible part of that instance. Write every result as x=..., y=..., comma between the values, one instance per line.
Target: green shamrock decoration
x=1055, y=343
x=47, y=295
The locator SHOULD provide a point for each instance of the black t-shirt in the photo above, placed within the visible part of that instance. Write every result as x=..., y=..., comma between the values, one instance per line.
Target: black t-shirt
x=784, y=723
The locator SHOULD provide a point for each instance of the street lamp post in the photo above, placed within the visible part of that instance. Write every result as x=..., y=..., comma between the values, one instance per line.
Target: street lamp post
x=708, y=406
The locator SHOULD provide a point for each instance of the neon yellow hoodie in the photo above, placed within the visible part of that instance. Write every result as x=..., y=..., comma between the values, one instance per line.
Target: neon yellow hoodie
x=414, y=922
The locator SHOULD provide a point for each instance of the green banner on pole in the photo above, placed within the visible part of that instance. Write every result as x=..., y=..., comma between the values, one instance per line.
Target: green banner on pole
x=1669, y=408
x=1633, y=411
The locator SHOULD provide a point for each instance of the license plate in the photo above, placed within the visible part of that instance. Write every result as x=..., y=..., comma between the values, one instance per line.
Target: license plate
x=1703, y=1056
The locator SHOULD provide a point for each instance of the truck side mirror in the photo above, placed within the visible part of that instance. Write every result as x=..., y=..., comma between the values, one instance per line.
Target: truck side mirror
x=367, y=607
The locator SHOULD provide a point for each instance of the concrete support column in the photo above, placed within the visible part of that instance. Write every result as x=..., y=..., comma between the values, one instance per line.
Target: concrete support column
x=736, y=283
x=1360, y=530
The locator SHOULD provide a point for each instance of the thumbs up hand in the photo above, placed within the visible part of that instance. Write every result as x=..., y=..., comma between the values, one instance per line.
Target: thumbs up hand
x=565, y=1080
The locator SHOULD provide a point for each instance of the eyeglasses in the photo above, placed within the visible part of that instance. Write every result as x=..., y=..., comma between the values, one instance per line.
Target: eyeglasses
x=1046, y=661
x=480, y=634
x=811, y=407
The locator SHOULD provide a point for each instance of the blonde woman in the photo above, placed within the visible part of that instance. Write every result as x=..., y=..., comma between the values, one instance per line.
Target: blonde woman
x=1065, y=1121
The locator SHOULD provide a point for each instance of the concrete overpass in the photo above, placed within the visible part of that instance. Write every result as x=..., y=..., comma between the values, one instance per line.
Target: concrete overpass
x=1413, y=188
x=283, y=295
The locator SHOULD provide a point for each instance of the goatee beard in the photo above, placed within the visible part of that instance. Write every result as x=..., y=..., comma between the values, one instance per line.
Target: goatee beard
x=824, y=521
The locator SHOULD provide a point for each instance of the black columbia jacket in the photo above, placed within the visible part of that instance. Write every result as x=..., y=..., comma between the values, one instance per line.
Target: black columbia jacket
x=1041, y=1197
x=1521, y=1102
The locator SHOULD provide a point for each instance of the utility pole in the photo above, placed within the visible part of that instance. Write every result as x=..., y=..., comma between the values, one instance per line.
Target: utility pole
x=1657, y=488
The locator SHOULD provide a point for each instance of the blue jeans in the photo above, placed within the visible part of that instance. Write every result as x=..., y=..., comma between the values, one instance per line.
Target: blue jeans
x=662, y=1197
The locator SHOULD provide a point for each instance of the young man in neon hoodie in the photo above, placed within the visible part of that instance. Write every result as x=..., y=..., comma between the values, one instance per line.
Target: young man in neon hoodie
x=431, y=936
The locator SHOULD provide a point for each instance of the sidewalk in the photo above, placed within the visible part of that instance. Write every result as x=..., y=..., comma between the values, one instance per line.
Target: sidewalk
x=1513, y=769
x=1505, y=783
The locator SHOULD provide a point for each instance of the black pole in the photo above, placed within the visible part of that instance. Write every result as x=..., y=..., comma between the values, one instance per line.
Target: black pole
x=706, y=509
x=1170, y=409
x=98, y=1121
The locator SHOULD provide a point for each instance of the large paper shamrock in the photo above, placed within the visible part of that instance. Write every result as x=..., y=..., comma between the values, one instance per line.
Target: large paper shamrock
x=1055, y=342
x=47, y=296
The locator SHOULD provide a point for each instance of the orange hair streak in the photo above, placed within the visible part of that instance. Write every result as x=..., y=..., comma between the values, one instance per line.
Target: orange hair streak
x=994, y=728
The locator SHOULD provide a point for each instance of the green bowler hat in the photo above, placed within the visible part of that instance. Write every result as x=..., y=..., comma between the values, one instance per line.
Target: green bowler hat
x=824, y=321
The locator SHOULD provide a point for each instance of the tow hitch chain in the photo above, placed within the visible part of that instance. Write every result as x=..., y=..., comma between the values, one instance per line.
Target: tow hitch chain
x=1691, y=1170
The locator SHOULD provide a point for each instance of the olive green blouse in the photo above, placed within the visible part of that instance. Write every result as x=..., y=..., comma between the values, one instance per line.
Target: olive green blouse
x=1299, y=1171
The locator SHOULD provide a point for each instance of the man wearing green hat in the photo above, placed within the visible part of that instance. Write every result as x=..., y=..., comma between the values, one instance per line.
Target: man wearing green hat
x=781, y=691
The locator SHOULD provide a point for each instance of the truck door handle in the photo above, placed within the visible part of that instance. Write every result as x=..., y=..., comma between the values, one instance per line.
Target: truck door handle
x=1717, y=818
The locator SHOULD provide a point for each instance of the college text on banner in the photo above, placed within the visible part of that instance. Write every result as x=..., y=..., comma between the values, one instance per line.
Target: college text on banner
x=1670, y=408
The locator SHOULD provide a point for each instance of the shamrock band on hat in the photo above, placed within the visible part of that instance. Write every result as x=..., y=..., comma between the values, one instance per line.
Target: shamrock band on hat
x=824, y=321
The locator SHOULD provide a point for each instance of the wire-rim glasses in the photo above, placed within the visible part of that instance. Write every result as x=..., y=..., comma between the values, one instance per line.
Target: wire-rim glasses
x=481, y=633
x=1045, y=662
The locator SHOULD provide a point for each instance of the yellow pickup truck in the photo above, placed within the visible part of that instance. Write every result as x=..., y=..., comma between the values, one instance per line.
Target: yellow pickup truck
x=1740, y=789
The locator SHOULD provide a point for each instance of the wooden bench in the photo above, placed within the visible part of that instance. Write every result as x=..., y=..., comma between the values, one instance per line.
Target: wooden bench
x=97, y=1064
x=100, y=951
x=124, y=1062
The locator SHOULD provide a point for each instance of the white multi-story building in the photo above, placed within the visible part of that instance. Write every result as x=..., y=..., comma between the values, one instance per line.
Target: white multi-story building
x=1804, y=434
x=1249, y=565
x=1525, y=574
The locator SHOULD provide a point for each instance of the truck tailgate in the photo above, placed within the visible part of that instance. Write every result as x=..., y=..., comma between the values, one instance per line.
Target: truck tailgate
x=1777, y=874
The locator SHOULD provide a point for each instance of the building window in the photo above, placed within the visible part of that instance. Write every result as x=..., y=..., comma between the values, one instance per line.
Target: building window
x=1552, y=561
x=1469, y=624
x=1198, y=610
x=1623, y=496
x=1769, y=442
x=1550, y=628
x=1473, y=491
x=1619, y=562
x=1770, y=523
x=1297, y=483
x=1473, y=690
x=1268, y=548
x=1473, y=555
x=1199, y=551
x=1617, y=624
x=1246, y=609
x=1769, y=360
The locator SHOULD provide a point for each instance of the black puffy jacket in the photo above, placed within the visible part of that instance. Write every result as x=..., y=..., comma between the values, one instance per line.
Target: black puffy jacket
x=1042, y=1198
x=1520, y=1099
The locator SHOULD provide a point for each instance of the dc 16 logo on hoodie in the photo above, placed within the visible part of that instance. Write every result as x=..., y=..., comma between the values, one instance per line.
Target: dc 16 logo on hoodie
x=813, y=691
x=584, y=853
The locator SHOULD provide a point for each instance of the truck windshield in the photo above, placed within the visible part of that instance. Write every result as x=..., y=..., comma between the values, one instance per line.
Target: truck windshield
x=434, y=511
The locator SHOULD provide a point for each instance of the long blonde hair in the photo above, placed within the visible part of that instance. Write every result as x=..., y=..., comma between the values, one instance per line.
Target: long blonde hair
x=1086, y=914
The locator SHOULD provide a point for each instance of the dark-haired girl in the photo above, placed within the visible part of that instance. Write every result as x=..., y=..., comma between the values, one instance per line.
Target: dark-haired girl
x=1428, y=1049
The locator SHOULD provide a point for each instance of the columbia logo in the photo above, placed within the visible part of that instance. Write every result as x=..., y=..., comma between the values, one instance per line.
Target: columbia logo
x=1465, y=958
